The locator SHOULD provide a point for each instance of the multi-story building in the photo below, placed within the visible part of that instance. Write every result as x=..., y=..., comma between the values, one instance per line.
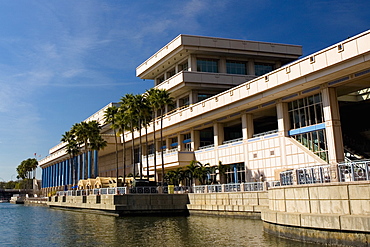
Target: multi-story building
x=251, y=105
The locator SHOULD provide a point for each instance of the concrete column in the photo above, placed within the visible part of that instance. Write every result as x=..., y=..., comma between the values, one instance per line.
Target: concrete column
x=218, y=134
x=195, y=137
x=222, y=65
x=67, y=172
x=283, y=128
x=333, y=129
x=96, y=167
x=43, y=180
x=78, y=164
x=247, y=130
x=217, y=139
x=47, y=174
x=52, y=175
x=179, y=142
x=249, y=127
x=58, y=174
x=84, y=168
x=62, y=173
x=168, y=144
x=251, y=70
x=89, y=167
x=70, y=171
x=192, y=62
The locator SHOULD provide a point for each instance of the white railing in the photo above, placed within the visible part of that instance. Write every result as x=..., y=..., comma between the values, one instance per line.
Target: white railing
x=234, y=140
x=208, y=146
x=313, y=175
x=354, y=171
x=266, y=133
x=233, y=187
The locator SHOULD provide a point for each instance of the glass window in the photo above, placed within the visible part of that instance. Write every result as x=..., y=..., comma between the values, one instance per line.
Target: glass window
x=151, y=148
x=233, y=132
x=236, y=67
x=204, y=96
x=306, y=111
x=136, y=155
x=315, y=141
x=174, y=142
x=171, y=73
x=184, y=101
x=206, y=137
x=184, y=66
x=263, y=68
x=160, y=79
x=207, y=65
x=235, y=173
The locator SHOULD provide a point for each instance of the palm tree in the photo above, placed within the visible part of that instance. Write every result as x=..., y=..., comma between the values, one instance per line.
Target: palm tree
x=72, y=149
x=221, y=171
x=139, y=104
x=159, y=99
x=175, y=177
x=199, y=171
x=152, y=98
x=122, y=122
x=191, y=171
x=164, y=100
x=146, y=116
x=96, y=141
x=88, y=135
x=129, y=108
x=202, y=172
x=80, y=131
x=110, y=116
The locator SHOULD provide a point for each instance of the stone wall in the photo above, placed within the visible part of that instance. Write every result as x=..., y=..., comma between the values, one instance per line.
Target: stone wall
x=129, y=204
x=340, y=210
x=236, y=204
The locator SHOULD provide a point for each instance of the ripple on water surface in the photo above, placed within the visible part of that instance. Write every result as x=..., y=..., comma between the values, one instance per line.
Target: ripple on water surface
x=41, y=226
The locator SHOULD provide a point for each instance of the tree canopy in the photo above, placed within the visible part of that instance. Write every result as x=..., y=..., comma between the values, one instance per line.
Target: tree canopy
x=26, y=167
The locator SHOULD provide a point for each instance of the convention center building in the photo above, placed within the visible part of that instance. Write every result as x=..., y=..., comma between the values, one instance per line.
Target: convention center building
x=259, y=108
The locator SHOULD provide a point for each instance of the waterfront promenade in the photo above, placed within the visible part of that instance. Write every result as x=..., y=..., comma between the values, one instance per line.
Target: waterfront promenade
x=307, y=208
x=335, y=213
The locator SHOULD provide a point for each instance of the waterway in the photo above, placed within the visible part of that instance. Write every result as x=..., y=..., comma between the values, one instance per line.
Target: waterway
x=22, y=225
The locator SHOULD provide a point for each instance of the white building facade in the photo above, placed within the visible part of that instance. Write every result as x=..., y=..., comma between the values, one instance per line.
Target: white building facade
x=250, y=105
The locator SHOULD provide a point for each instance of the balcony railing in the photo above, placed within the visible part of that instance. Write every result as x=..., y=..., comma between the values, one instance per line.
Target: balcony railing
x=313, y=175
x=233, y=187
x=354, y=171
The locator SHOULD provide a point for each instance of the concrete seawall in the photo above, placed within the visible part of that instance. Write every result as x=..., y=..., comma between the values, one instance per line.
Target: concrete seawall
x=332, y=214
x=244, y=204
x=335, y=214
x=121, y=205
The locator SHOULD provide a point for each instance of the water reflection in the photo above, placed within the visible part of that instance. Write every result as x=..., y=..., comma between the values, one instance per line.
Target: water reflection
x=41, y=226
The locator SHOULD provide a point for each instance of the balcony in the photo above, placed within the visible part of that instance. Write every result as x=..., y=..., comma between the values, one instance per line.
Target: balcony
x=171, y=158
x=202, y=79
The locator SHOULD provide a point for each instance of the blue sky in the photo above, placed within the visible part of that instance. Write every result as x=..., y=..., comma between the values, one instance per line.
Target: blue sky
x=61, y=61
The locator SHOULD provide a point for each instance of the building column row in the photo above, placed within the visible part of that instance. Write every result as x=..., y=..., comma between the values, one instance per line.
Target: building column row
x=68, y=172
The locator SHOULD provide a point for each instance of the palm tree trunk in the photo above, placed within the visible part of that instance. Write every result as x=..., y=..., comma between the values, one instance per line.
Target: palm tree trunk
x=116, y=146
x=86, y=164
x=140, y=151
x=155, y=150
x=124, y=157
x=162, y=156
x=147, y=152
x=133, y=151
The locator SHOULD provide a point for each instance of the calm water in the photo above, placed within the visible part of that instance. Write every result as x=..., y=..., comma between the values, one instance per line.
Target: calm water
x=41, y=226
